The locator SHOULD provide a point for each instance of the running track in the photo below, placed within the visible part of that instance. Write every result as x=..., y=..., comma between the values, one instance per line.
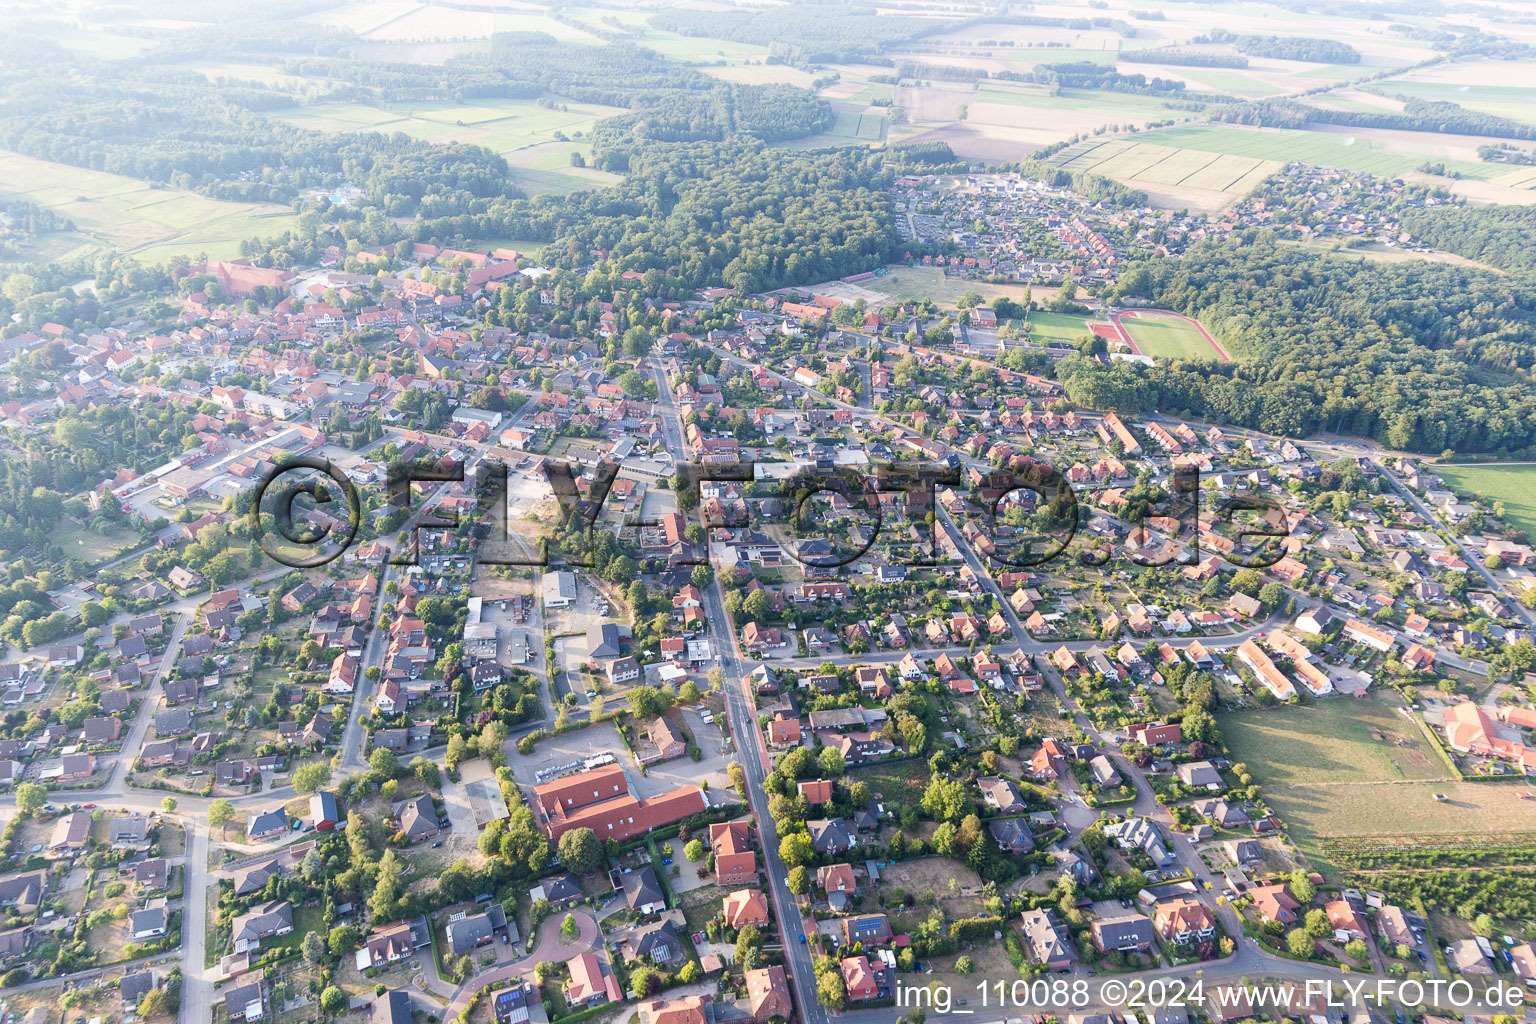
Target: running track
x=1125, y=335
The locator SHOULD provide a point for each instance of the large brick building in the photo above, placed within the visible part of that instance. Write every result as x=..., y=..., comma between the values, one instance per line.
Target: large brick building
x=600, y=799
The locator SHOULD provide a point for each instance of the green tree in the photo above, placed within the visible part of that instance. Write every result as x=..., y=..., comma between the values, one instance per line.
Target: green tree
x=385, y=763
x=945, y=799
x=314, y=949
x=694, y=850
x=570, y=928
x=344, y=938
x=386, y=891
x=580, y=851
x=220, y=813
x=647, y=701
x=1299, y=942
x=795, y=849
x=29, y=797
x=832, y=763
x=309, y=777
x=799, y=880
x=332, y=1001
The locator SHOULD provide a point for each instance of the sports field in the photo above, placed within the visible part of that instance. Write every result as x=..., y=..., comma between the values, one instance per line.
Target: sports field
x=1045, y=328
x=1345, y=767
x=1167, y=337
x=1515, y=486
x=153, y=223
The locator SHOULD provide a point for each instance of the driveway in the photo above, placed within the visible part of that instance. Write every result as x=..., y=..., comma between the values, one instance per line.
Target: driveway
x=550, y=947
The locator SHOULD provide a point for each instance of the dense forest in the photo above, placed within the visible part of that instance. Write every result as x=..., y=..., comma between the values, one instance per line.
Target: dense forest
x=805, y=32
x=1088, y=74
x=1501, y=236
x=1308, y=48
x=160, y=124
x=1420, y=356
x=1184, y=58
x=1416, y=116
x=736, y=213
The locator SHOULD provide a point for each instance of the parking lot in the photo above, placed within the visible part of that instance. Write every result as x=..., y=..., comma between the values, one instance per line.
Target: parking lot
x=570, y=747
x=658, y=778
x=685, y=771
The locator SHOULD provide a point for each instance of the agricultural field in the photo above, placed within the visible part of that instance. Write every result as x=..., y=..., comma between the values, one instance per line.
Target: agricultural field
x=546, y=167
x=1167, y=337
x=1373, y=151
x=1501, y=88
x=405, y=21
x=1515, y=486
x=528, y=134
x=854, y=126
x=1170, y=175
x=154, y=223
x=685, y=49
x=1359, y=768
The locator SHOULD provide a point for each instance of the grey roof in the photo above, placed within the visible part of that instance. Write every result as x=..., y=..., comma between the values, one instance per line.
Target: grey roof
x=418, y=816
x=253, y=877
x=642, y=887
x=151, y=918
x=24, y=892
x=1125, y=932
x=173, y=722
x=472, y=931
x=237, y=998
x=657, y=940
x=393, y=1007
x=130, y=828
x=263, y=919
x=561, y=888
x=267, y=821
x=134, y=986
x=829, y=834
x=603, y=641
x=1012, y=834
x=1199, y=773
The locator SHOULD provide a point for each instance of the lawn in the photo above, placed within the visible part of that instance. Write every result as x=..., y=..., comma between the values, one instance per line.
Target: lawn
x=89, y=546
x=1332, y=741
x=148, y=221
x=899, y=783
x=1064, y=327
x=1515, y=486
x=905, y=284
x=1167, y=338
